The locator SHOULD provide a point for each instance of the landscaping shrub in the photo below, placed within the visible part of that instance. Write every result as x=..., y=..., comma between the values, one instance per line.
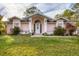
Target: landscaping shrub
x=59, y=31
x=45, y=34
x=16, y=30
x=51, y=34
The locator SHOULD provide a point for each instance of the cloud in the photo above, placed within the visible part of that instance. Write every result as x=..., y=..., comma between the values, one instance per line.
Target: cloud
x=51, y=9
x=47, y=7
x=17, y=9
x=2, y=10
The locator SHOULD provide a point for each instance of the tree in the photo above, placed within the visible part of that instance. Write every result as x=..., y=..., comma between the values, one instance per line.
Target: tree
x=75, y=6
x=32, y=10
x=58, y=16
x=73, y=15
x=2, y=26
x=29, y=11
x=76, y=15
x=68, y=13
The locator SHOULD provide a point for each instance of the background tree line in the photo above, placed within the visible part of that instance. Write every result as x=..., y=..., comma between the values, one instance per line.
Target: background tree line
x=71, y=14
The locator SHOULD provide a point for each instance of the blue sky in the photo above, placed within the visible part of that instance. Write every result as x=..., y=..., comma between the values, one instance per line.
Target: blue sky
x=51, y=9
x=47, y=7
x=17, y=9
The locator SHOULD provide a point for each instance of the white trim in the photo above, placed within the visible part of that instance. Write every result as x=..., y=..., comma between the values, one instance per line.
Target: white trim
x=30, y=25
x=45, y=25
x=37, y=28
x=60, y=21
x=13, y=24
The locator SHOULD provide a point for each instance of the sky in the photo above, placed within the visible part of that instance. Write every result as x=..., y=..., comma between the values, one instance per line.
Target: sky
x=17, y=9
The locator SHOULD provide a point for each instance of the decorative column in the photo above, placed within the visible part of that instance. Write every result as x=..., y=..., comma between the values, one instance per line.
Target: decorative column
x=45, y=25
x=13, y=23
x=30, y=25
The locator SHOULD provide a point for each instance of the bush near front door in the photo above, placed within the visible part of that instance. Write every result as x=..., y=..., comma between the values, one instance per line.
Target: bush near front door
x=16, y=30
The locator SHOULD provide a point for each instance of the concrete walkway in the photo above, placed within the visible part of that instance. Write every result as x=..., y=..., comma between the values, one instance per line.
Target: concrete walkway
x=37, y=36
x=51, y=36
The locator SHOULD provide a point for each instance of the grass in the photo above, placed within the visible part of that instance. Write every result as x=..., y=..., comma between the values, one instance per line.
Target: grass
x=22, y=45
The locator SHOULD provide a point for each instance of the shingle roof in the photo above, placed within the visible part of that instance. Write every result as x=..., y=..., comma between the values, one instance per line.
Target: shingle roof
x=62, y=18
x=14, y=17
x=48, y=18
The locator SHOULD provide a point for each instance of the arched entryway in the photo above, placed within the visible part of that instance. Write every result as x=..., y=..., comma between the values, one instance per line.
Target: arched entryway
x=37, y=27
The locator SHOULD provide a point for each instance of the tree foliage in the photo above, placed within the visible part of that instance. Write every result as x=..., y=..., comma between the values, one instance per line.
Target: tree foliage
x=76, y=15
x=2, y=26
x=68, y=13
x=58, y=16
x=31, y=11
x=75, y=6
x=71, y=14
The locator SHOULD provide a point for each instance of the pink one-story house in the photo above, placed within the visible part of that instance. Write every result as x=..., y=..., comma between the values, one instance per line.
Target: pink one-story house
x=36, y=23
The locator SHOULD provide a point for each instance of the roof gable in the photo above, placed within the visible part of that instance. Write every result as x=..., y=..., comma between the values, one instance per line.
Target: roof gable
x=62, y=18
x=14, y=17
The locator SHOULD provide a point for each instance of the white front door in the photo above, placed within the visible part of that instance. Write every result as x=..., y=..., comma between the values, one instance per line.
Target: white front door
x=37, y=28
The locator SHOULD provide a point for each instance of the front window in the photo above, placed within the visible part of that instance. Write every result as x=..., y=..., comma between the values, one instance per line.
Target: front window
x=16, y=24
x=78, y=31
x=60, y=23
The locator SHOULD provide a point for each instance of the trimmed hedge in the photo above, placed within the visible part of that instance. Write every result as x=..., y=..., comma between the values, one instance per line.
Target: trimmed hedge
x=59, y=31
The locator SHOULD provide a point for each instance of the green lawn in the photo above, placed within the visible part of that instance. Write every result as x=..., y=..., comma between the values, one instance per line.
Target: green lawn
x=22, y=45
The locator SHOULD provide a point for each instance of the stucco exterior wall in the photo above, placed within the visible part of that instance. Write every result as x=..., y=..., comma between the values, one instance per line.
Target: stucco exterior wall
x=50, y=27
x=24, y=27
x=8, y=28
x=16, y=21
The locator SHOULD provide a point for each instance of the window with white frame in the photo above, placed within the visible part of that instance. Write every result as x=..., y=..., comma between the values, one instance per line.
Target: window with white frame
x=16, y=24
x=59, y=23
x=78, y=31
